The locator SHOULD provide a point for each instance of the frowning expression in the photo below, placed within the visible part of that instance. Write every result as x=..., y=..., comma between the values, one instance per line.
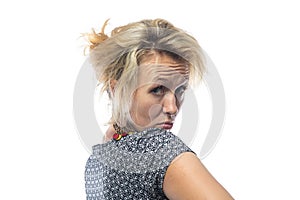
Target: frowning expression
x=162, y=82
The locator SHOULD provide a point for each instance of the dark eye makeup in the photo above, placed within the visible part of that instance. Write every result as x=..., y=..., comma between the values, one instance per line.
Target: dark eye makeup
x=158, y=90
x=161, y=90
x=181, y=89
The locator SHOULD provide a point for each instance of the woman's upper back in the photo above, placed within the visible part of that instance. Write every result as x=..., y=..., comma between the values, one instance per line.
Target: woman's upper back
x=133, y=167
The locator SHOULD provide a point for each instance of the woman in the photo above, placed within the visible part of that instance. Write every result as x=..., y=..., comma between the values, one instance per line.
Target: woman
x=146, y=67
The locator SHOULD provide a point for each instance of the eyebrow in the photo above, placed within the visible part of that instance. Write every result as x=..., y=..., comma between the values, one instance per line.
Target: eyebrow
x=160, y=80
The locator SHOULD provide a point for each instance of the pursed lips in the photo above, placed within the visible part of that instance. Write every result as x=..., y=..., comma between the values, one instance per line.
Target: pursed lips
x=166, y=125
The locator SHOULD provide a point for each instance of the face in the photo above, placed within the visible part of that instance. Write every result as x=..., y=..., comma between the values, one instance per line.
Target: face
x=161, y=85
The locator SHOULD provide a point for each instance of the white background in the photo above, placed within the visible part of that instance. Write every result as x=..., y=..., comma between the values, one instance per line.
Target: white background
x=254, y=45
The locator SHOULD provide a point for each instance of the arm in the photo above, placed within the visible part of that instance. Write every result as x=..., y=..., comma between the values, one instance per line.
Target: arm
x=187, y=178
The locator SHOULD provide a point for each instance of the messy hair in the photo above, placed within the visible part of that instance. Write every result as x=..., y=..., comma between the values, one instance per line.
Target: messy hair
x=117, y=57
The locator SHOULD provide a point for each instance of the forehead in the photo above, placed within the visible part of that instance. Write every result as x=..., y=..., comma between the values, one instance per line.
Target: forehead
x=162, y=69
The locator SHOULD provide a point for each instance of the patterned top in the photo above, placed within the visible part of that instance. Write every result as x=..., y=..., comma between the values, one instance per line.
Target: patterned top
x=133, y=167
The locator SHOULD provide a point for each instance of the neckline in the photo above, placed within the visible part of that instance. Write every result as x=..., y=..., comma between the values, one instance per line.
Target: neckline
x=151, y=130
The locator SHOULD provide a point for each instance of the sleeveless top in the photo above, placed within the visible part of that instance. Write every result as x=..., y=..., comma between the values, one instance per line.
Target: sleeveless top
x=132, y=167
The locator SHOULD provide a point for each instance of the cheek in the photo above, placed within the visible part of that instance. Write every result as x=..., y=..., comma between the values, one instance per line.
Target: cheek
x=145, y=108
x=179, y=103
x=140, y=107
x=154, y=110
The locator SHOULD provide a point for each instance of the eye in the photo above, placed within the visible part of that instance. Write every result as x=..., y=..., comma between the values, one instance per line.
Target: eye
x=179, y=92
x=158, y=91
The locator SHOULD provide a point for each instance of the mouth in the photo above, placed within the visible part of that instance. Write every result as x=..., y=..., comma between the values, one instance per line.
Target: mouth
x=167, y=125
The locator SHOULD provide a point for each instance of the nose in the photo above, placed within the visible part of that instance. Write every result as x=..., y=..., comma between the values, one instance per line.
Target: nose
x=170, y=104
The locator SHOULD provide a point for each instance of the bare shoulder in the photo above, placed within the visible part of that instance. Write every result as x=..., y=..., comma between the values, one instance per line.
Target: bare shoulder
x=187, y=178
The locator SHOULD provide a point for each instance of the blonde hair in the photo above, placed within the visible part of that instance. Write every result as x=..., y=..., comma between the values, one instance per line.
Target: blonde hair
x=116, y=57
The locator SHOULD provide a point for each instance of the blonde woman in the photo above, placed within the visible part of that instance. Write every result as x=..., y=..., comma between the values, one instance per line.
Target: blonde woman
x=145, y=67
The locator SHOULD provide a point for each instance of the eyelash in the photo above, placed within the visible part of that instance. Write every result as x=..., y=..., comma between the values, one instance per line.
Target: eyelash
x=181, y=89
x=180, y=92
x=156, y=92
x=160, y=90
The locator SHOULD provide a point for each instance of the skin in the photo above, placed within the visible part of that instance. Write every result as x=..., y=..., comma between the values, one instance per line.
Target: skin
x=160, y=93
x=157, y=100
x=187, y=178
